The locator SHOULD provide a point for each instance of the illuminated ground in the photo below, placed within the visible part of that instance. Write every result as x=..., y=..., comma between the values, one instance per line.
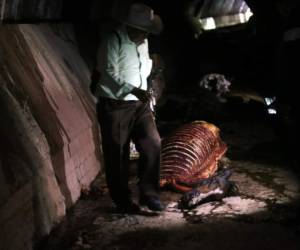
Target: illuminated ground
x=264, y=216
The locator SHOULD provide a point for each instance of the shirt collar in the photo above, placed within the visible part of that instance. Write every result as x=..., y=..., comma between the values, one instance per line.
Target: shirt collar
x=123, y=32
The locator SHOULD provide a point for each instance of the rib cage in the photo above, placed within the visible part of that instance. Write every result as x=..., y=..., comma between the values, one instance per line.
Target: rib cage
x=191, y=153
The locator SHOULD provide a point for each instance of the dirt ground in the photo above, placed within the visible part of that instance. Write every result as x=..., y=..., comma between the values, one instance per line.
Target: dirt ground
x=265, y=214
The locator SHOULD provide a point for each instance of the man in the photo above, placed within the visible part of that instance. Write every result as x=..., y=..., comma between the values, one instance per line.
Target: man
x=123, y=109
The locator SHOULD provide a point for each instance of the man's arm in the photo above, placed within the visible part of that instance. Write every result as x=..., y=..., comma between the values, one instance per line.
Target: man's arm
x=142, y=95
x=108, y=63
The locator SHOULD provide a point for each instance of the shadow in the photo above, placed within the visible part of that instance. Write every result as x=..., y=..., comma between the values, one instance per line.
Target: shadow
x=110, y=210
x=258, y=231
x=97, y=225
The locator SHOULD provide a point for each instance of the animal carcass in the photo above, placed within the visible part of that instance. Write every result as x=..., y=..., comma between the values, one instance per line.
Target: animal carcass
x=190, y=158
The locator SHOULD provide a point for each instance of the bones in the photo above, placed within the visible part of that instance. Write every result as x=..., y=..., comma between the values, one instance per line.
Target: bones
x=190, y=158
x=191, y=154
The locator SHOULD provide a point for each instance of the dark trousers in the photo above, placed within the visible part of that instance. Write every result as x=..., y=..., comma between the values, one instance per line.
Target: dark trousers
x=121, y=121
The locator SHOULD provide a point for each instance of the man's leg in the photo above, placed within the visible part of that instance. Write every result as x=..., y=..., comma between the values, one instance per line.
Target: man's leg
x=115, y=143
x=148, y=143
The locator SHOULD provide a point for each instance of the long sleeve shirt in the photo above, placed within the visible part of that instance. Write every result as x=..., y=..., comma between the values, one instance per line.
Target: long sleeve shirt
x=123, y=65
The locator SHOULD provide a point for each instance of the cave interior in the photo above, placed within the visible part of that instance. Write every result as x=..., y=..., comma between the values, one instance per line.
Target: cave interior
x=52, y=190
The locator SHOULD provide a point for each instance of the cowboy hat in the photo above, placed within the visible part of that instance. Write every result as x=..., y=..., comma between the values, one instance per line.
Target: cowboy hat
x=141, y=16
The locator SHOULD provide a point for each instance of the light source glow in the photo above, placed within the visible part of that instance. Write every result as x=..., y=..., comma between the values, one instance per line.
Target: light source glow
x=210, y=23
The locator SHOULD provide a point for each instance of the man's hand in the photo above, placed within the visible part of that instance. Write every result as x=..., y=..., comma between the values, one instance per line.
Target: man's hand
x=142, y=95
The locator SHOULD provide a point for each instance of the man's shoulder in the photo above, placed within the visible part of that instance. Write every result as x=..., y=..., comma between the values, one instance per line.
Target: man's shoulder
x=116, y=33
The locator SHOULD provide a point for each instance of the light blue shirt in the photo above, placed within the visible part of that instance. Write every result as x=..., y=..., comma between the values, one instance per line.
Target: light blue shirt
x=123, y=65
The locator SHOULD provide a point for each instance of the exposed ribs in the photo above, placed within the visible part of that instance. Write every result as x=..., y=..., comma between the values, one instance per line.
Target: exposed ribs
x=190, y=154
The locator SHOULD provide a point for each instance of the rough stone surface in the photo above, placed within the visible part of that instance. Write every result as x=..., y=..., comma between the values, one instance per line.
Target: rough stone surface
x=16, y=10
x=49, y=136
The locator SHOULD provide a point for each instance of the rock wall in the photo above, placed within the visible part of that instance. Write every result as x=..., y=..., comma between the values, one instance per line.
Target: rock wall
x=16, y=10
x=49, y=135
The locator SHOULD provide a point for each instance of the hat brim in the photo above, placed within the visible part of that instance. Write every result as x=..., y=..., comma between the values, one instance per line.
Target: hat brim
x=155, y=28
